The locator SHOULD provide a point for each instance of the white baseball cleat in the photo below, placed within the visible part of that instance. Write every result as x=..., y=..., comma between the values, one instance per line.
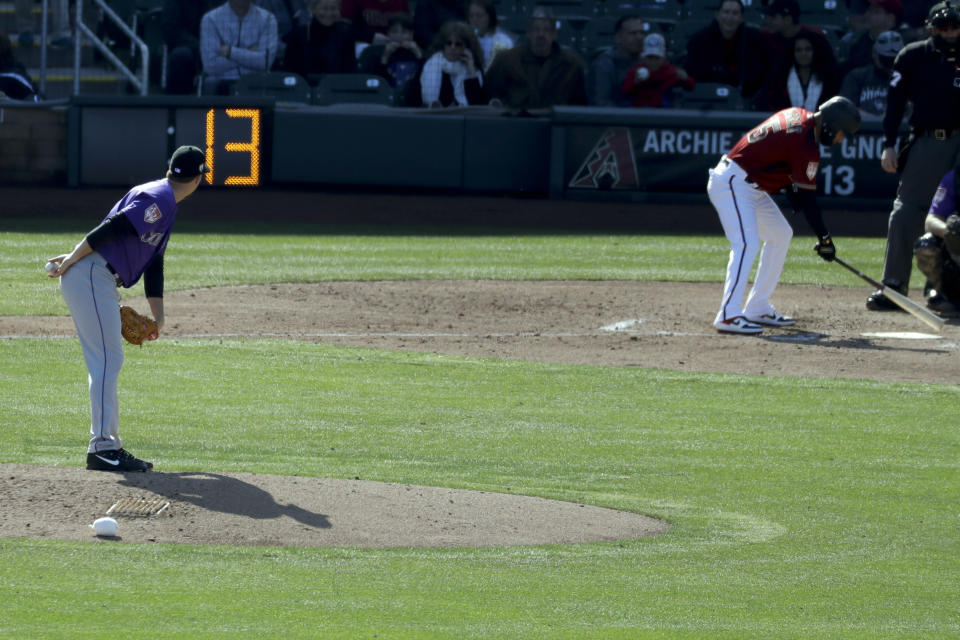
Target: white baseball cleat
x=772, y=319
x=738, y=324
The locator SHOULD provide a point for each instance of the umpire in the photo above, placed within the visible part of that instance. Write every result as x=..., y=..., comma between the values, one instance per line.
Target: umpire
x=927, y=74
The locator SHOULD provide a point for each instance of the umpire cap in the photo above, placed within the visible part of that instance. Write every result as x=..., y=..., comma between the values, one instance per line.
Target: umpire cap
x=838, y=114
x=944, y=15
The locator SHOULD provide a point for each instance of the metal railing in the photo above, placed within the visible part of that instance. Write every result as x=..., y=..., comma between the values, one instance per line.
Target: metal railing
x=142, y=83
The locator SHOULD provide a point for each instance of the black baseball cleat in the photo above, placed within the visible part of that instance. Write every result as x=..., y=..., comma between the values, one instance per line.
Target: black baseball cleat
x=876, y=301
x=116, y=460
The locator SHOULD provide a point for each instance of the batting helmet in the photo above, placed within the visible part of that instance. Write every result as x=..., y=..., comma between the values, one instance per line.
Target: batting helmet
x=838, y=114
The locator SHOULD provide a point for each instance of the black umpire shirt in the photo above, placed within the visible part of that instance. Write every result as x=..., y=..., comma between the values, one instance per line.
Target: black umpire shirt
x=923, y=75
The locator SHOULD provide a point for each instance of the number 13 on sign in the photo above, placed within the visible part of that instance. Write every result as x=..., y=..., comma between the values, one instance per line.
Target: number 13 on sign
x=252, y=147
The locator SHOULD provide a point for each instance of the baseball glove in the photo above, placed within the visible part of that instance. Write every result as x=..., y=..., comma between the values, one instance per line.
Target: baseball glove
x=951, y=238
x=136, y=328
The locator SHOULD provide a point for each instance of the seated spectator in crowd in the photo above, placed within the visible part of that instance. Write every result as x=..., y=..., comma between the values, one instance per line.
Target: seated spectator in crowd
x=324, y=45
x=289, y=14
x=857, y=48
x=867, y=86
x=610, y=67
x=482, y=16
x=451, y=75
x=783, y=22
x=369, y=17
x=181, y=33
x=430, y=15
x=915, y=19
x=649, y=82
x=398, y=59
x=14, y=80
x=537, y=73
x=808, y=82
x=938, y=249
x=236, y=38
x=729, y=52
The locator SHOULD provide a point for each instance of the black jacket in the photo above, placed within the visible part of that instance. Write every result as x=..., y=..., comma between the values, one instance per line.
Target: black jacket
x=314, y=48
x=743, y=65
x=923, y=75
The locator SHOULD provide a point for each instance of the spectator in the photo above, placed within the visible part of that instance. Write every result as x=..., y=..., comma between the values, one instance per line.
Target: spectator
x=324, y=45
x=880, y=16
x=14, y=79
x=289, y=14
x=537, y=73
x=915, y=19
x=808, y=82
x=236, y=38
x=430, y=15
x=398, y=59
x=729, y=52
x=482, y=15
x=867, y=86
x=610, y=66
x=783, y=23
x=452, y=74
x=938, y=249
x=181, y=32
x=369, y=17
x=649, y=82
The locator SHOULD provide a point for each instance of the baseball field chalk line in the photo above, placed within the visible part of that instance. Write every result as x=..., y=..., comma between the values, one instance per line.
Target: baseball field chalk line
x=902, y=335
x=623, y=325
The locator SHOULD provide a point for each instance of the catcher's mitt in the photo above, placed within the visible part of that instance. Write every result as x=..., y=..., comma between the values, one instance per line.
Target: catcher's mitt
x=137, y=328
x=951, y=239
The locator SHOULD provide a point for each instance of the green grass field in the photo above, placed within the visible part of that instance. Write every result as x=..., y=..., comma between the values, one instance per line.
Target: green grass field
x=805, y=509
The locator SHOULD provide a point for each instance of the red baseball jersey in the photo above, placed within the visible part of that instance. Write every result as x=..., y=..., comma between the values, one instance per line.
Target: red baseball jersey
x=780, y=151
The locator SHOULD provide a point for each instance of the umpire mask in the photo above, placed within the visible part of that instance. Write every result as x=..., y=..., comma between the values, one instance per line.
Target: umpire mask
x=944, y=15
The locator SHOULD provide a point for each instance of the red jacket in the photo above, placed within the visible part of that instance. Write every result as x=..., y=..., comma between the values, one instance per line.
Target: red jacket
x=650, y=92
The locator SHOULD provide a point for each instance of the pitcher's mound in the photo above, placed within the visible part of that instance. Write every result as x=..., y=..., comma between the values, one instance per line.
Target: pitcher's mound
x=250, y=509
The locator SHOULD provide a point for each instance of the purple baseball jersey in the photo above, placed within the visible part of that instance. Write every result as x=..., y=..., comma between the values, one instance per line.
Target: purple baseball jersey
x=151, y=208
x=945, y=199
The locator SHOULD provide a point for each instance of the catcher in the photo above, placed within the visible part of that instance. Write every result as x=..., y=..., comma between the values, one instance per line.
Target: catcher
x=938, y=250
x=128, y=244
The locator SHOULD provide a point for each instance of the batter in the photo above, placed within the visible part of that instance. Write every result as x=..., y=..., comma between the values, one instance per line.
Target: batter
x=128, y=244
x=782, y=152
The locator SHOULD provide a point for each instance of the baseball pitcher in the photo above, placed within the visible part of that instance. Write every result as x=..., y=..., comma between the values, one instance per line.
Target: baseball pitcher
x=128, y=244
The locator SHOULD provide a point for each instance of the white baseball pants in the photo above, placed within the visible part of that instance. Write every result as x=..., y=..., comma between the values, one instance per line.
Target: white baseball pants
x=749, y=217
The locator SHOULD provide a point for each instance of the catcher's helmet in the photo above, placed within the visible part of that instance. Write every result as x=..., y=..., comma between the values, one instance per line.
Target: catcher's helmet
x=838, y=114
x=944, y=15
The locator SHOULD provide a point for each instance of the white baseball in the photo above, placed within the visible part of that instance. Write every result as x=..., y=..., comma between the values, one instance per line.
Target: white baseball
x=105, y=527
x=50, y=267
x=643, y=73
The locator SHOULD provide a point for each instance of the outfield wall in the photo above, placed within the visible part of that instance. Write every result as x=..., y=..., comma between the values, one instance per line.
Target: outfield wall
x=580, y=153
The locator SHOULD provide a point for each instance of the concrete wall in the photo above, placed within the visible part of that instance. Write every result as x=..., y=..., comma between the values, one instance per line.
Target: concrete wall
x=33, y=144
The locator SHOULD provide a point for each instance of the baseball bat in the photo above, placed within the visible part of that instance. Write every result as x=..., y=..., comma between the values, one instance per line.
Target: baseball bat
x=929, y=318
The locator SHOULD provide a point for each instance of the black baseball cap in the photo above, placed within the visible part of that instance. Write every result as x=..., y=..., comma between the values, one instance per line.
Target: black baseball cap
x=188, y=162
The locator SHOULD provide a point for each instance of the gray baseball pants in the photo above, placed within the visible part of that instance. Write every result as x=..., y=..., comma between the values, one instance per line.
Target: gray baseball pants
x=928, y=161
x=91, y=294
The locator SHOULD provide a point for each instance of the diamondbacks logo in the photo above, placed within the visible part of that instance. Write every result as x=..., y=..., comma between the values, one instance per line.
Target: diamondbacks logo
x=812, y=170
x=611, y=163
x=152, y=214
